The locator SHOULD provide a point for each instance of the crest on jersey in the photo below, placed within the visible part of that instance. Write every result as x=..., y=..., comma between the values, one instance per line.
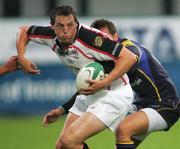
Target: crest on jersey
x=98, y=41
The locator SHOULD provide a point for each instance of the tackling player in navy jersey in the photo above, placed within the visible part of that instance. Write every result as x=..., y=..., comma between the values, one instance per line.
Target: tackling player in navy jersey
x=76, y=45
x=156, y=99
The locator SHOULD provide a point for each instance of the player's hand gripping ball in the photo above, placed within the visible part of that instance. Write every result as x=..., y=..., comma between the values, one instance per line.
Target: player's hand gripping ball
x=93, y=71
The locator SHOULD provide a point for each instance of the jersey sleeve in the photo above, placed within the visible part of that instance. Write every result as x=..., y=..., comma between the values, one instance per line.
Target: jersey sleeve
x=67, y=105
x=40, y=34
x=99, y=44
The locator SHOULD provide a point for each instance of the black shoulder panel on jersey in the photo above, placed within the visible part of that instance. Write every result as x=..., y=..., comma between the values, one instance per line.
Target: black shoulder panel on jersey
x=41, y=30
x=107, y=65
x=99, y=41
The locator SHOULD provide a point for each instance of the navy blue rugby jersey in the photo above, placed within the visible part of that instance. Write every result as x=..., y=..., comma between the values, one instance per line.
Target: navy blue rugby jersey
x=148, y=78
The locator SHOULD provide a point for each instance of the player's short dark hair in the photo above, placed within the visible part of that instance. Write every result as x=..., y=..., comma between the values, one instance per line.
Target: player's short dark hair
x=101, y=23
x=62, y=10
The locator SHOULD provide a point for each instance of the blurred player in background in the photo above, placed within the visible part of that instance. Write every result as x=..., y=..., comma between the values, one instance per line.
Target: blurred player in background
x=156, y=99
x=76, y=45
x=10, y=66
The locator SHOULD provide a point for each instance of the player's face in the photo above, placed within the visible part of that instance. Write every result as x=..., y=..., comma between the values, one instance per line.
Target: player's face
x=106, y=30
x=65, y=28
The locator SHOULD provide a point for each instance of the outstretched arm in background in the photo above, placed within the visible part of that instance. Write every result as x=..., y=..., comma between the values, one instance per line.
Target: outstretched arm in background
x=10, y=66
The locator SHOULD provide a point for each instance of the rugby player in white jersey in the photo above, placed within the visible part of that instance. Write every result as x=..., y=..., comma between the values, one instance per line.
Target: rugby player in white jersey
x=76, y=45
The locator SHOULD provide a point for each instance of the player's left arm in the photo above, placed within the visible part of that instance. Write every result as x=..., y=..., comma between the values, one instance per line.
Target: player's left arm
x=107, y=49
x=124, y=62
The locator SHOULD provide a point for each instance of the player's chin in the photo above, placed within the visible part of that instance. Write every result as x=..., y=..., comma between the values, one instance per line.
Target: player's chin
x=65, y=41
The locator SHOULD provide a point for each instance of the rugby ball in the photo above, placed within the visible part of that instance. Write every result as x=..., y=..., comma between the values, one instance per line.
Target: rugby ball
x=93, y=71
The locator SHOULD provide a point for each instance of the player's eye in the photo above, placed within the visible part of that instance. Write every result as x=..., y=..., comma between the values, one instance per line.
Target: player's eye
x=60, y=26
x=70, y=24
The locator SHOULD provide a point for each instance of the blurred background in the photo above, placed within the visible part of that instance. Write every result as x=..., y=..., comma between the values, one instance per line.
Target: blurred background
x=26, y=98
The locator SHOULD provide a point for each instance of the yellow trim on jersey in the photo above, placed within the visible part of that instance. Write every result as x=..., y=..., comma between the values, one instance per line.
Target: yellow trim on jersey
x=157, y=92
x=165, y=109
x=125, y=142
x=137, y=57
x=127, y=43
x=130, y=43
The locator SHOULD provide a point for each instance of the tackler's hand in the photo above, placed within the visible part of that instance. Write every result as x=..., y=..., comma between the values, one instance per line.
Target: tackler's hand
x=12, y=64
x=52, y=116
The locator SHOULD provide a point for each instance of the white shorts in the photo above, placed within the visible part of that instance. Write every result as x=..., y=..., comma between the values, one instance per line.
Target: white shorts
x=156, y=123
x=109, y=106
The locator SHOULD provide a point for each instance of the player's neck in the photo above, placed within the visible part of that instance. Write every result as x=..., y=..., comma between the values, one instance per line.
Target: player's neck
x=65, y=46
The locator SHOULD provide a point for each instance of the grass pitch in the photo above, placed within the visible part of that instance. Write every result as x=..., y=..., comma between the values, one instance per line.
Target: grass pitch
x=28, y=133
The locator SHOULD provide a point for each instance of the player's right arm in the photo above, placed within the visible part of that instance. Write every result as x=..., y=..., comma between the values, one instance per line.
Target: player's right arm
x=21, y=44
x=52, y=116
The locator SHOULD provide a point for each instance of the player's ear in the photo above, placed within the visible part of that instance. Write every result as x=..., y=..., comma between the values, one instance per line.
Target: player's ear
x=115, y=36
x=76, y=23
x=52, y=26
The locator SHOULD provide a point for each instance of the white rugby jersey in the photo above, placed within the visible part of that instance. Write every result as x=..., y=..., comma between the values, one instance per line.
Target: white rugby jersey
x=89, y=45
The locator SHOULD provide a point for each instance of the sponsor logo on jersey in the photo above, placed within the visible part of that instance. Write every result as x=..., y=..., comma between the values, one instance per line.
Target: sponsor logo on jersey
x=73, y=53
x=60, y=52
x=136, y=82
x=98, y=41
